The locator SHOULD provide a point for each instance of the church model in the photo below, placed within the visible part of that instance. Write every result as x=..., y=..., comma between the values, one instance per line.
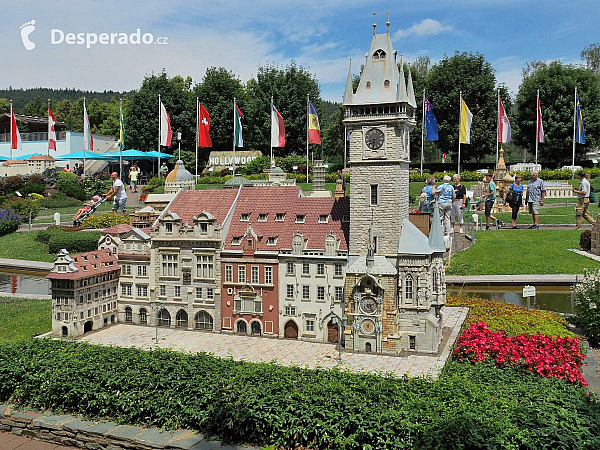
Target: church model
x=269, y=261
x=395, y=278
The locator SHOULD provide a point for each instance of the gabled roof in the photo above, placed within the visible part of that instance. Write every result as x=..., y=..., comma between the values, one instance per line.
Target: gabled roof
x=117, y=229
x=413, y=241
x=12, y=162
x=381, y=266
x=189, y=204
x=41, y=158
x=89, y=264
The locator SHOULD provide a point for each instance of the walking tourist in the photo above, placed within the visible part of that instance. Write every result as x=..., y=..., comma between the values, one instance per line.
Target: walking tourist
x=583, y=200
x=67, y=169
x=458, y=204
x=164, y=170
x=490, y=198
x=514, y=198
x=427, y=196
x=79, y=170
x=133, y=177
x=536, y=192
x=119, y=193
x=446, y=196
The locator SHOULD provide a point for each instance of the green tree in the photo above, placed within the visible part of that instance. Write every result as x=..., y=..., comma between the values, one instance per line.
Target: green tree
x=474, y=76
x=216, y=92
x=4, y=106
x=62, y=112
x=289, y=88
x=36, y=108
x=334, y=135
x=591, y=56
x=556, y=83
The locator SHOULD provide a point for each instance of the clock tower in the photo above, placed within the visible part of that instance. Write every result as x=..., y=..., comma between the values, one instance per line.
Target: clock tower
x=380, y=117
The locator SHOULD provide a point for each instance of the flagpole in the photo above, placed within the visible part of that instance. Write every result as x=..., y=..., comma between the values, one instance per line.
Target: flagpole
x=121, y=144
x=459, y=123
x=234, y=125
x=197, y=133
x=537, y=130
x=307, y=132
x=11, y=130
x=497, y=128
x=423, y=132
x=85, y=144
x=574, y=129
x=48, y=130
x=271, y=113
x=159, y=134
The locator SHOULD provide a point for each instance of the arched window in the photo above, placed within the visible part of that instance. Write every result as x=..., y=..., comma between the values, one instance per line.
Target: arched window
x=128, y=315
x=181, y=319
x=379, y=54
x=368, y=85
x=164, y=318
x=241, y=327
x=368, y=347
x=434, y=279
x=386, y=83
x=408, y=288
x=255, y=328
x=143, y=316
x=204, y=321
x=440, y=287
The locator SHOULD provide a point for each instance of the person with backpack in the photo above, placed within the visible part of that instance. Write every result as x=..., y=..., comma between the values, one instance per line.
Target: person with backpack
x=446, y=195
x=514, y=198
x=427, y=197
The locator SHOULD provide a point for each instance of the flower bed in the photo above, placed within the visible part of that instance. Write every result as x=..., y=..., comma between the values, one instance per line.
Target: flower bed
x=548, y=357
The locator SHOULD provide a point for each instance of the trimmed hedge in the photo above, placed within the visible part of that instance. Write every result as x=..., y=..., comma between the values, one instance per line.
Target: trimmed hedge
x=73, y=242
x=469, y=406
x=103, y=220
x=59, y=200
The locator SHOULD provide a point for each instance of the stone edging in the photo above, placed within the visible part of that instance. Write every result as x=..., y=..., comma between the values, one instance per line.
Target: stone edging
x=94, y=435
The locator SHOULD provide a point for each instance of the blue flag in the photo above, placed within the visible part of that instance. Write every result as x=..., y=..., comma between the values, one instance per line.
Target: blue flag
x=579, y=129
x=430, y=122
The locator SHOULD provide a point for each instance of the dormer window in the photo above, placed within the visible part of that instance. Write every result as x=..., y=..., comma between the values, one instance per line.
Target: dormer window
x=272, y=240
x=263, y=217
x=84, y=268
x=62, y=269
x=386, y=83
x=324, y=218
x=245, y=217
x=85, y=258
x=279, y=217
x=168, y=229
x=379, y=54
x=204, y=227
x=368, y=87
x=300, y=218
x=236, y=240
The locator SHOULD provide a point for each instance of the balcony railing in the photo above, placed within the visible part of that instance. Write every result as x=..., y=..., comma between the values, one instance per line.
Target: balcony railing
x=37, y=136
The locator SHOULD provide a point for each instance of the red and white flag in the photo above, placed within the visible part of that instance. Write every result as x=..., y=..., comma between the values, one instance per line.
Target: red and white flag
x=51, y=131
x=88, y=138
x=166, y=134
x=540, y=125
x=277, y=129
x=204, y=128
x=15, y=136
x=504, y=130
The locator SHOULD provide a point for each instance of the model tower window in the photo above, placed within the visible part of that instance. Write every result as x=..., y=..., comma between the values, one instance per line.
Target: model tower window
x=374, y=196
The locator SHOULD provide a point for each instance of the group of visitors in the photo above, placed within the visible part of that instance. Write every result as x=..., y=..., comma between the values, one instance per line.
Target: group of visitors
x=78, y=169
x=451, y=199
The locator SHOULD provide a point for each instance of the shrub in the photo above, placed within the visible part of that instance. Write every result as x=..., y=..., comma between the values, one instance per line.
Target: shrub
x=70, y=185
x=586, y=305
x=548, y=357
x=224, y=172
x=13, y=183
x=45, y=235
x=59, y=200
x=73, y=242
x=33, y=188
x=585, y=240
x=155, y=182
x=96, y=185
x=36, y=178
x=257, y=165
x=9, y=221
x=103, y=220
x=23, y=207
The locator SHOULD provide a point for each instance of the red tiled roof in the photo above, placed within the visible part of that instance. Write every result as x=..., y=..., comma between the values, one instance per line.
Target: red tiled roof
x=276, y=200
x=118, y=229
x=189, y=204
x=13, y=161
x=41, y=158
x=89, y=264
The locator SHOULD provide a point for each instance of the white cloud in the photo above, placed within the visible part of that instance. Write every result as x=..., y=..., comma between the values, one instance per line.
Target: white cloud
x=427, y=27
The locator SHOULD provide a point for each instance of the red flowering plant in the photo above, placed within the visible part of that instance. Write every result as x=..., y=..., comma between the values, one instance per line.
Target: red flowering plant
x=545, y=355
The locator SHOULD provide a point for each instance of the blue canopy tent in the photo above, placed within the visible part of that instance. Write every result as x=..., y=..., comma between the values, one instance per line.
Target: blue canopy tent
x=26, y=157
x=4, y=158
x=79, y=156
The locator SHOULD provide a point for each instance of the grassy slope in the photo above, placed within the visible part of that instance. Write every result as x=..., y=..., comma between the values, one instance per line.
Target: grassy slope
x=512, y=252
x=22, y=246
x=23, y=319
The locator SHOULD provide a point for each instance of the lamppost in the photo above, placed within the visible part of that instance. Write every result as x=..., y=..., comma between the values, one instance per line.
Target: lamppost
x=155, y=308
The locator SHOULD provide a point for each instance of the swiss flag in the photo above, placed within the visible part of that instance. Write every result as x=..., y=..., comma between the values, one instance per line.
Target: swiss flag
x=204, y=128
x=51, y=131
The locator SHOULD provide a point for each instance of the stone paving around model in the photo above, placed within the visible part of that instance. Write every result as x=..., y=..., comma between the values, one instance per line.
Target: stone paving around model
x=285, y=352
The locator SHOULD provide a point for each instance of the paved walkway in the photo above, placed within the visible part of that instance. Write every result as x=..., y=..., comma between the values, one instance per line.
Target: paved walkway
x=21, y=264
x=560, y=279
x=9, y=441
x=285, y=352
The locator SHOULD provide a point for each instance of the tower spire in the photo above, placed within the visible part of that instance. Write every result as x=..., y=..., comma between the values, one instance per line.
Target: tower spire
x=401, y=97
x=388, y=22
x=349, y=88
x=374, y=23
x=410, y=91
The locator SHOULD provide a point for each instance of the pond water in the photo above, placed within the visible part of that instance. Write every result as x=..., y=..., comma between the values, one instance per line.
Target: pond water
x=24, y=283
x=552, y=298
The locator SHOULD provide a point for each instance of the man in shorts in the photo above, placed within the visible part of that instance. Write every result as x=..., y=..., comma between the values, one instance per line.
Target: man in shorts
x=490, y=198
x=120, y=194
x=583, y=200
x=536, y=192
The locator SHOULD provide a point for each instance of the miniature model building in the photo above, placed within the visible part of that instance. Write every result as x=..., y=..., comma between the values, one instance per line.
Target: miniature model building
x=84, y=292
x=179, y=178
x=392, y=269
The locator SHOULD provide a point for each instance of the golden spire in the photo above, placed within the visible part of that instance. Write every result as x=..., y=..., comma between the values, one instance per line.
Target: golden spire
x=374, y=23
x=388, y=22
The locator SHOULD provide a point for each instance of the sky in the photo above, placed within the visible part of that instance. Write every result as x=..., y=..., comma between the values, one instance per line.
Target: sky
x=320, y=35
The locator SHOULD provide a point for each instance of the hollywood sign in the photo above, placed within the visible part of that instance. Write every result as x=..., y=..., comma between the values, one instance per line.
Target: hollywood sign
x=226, y=159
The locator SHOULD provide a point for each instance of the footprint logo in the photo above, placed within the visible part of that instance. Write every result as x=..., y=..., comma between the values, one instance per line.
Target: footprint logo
x=26, y=30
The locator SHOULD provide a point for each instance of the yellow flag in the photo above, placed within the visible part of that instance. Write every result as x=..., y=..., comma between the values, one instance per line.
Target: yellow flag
x=466, y=117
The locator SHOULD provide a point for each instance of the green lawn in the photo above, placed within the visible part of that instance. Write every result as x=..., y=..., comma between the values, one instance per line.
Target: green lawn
x=24, y=318
x=71, y=210
x=516, y=252
x=550, y=215
x=22, y=246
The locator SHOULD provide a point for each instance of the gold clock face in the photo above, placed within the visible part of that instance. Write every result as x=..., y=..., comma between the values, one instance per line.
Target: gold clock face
x=367, y=326
x=374, y=138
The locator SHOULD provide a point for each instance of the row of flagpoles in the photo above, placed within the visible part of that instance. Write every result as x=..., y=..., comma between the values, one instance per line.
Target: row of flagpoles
x=429, y=128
